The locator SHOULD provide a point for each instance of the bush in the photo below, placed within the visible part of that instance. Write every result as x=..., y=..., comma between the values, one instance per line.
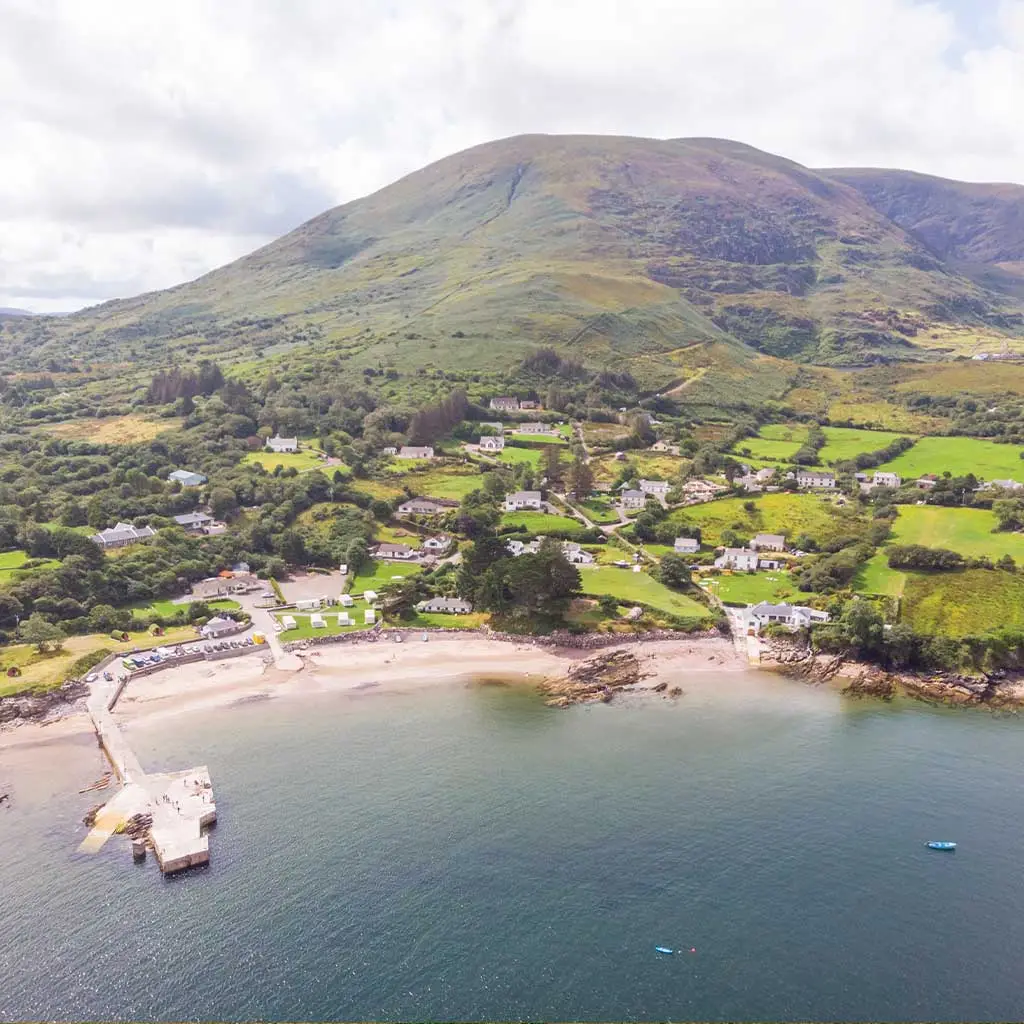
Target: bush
x=81, y=666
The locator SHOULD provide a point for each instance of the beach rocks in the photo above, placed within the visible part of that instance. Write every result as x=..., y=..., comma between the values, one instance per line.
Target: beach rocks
x=32, y=705
x=597, y=678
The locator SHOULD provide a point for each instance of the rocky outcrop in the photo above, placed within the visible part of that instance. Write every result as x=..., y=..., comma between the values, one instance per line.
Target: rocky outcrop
x=596, y=679
x=793, y=657
x=35, y=706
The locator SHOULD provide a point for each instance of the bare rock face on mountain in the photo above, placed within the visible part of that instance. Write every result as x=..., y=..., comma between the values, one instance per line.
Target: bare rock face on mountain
x=673, y=255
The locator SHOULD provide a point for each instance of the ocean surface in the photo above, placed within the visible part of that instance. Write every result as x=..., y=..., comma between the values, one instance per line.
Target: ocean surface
x=465, y=853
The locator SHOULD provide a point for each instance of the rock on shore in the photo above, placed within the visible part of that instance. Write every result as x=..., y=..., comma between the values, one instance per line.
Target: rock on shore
x=598, y=678
x=48, y=704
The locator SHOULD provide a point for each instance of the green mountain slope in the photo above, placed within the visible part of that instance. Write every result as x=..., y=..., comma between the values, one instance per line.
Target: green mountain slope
x=674, y=255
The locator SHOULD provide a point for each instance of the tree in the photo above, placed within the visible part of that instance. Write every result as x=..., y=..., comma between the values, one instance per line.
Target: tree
x=42, y=634
x=581, y=478
x=1009, y=512
x=864, y=626
x=223, y=501
x=552, y=463
x=674, y=571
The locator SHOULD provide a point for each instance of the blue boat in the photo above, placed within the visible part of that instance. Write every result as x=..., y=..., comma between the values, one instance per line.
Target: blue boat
x=663, y=949
x=936, y=845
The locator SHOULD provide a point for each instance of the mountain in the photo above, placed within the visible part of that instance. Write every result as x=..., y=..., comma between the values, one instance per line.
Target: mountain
x=13, y=311
x=671, y=254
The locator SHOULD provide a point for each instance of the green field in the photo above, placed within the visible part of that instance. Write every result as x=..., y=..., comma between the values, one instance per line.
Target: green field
x=966, y=530
x=751, y=587
x=436, y=620
x=540, y=523
x=959, y=456
x=963, y=603
x=777, y=442
x=169, y=608
x=376, y=574
x=842, y=443
x=788, y=514
x=453, y=482
x=511, y=456
x=598, y=511
x=303, y=461
x=875, y=577
x=12, y=561
x=303, y=630
x=639, y=587
x=541, y=438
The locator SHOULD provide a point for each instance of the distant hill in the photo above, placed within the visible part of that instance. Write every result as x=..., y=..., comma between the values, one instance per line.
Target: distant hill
x=13, y=311
x=669, y=254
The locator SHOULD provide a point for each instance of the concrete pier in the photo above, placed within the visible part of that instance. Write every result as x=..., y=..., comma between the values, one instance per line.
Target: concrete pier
x=181, y=804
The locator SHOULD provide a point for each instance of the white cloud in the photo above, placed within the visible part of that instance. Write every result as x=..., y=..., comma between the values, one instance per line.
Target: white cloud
x=145, y=143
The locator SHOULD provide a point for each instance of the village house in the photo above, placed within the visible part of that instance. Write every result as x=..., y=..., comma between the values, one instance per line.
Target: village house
x=122, y=535
x=529, y=404
x=664, y=446
x=686, y=546
x=437, y=545
x=283, y=444
x=504, y=404
x=187, y=478
x=423, y=507
x=492, y=444
x=791, y=616
x=519, y=547
x=741, y=559
x=413, y=452
x=194, y=522
x=659, y=488
x=768, y=542
x=535, y=428
x=633, y=499
x=519, y=500
x=926, y=482
x=399, y=551
x=814, y=478
x=389, y=450
x=575, y=554
x=881, y=479
x=445, y=606
x=701, y=490
x=218, y=626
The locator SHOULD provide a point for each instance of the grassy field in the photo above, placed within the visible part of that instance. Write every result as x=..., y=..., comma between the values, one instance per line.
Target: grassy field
x=875, y=577
x=962, y=603
x=378, y=573
x=959, y=455
x=639, y=586
x=303, y=461
x=303, y=630
x=541, y=522
x=46, y=671
x=597, y=510
x=541, y=438
x=131, y=429
x=788, y=514
x=169, y=608
x=775, y=441
x=511, y=456
x=12, y=561
x=967, y=530
x=453, y=482
x=434, y=620
x=750, y=587
x=843, y=443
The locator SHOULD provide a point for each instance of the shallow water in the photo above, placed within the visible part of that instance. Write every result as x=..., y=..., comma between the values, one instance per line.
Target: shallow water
x=469, y=853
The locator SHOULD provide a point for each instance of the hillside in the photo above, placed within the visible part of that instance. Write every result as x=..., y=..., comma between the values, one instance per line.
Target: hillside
x=683, y=256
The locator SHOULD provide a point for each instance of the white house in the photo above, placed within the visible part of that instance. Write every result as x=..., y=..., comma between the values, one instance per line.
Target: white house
x=517, y=500
x=369, y=596
x=534, y=428
x=283, y=444
x=445, y=605
x=437, y=544
x=400, y=551
x=519, y=547
x=686, y=546
x=187, y=478
x=575, y=554
x=492, y=444
x=504, y=404
x=742, y=559
x=1005, y=485
x=881, y=479
x=218, y=626
x=422, y=507
x=193, y=522
x=792, y=616
x=701, y=490
x=814, y=478
x=633, y=499
x=769, y=542
x=659, y=488
x=122, y=535
x=344, y=619
x=413, y=452
x=389, y=450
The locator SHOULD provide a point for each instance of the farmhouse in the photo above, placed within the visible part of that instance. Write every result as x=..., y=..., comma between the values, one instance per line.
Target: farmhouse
x=575, y=554
x=769, y=542
x=187, y=478
x=793, y=616
x=504, y=404
x=445, y=606
x=492, y=444
x=412, y=452
x=659, y=488
x=194, y=522
x=437, y=544
x=121, y=536
x=686, y=546
x=737, y=558
x=633, y=499
x=518, y=500
x=399, y=551
x=423, y=507
x=535, y=428
x=283, y=444
x=886, y=479
x=814, y=478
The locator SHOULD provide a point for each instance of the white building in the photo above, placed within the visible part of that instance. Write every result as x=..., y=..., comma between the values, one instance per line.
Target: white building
x=347, y=600
x=769, y=542
x=194, y=522
x=218, y=626
x=814, y=478
x=283, y=444
x=659, y=488
x=344, y=619
x=400, y=551
x=492, y=444
x=686, y=546
x=633, y=499
x=122, y=535
x=789, y=615
x=389, y=450
x=445, y=605
x=423, y=507
x=504, y=404
x=369, y=596
x=881, y=479
x=535, y=428
x=369, y=617
x=288, y=622
x=413, y=452
x=317, y=621
x=1004, y=485
x=436, y=545
x=742, y=559
x=187, y=478
x=518, y=500
x=575, y=554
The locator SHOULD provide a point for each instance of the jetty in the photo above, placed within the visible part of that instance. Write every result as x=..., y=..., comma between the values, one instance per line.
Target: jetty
x=167, y=812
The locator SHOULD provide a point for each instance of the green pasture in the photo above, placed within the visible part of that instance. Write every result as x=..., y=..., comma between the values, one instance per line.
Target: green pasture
x=959, y=456
x=627, y=586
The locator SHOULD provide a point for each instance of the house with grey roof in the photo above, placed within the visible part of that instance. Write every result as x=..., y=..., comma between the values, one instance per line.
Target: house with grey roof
x=686, y=546
x=632, y=498
x=121, y=536
x=516, y=501
x=415, y=452
x=187, y=478
x=769, y=542
x=445, y=606
x=789, y=615
x=283, y=444
x=194, y=522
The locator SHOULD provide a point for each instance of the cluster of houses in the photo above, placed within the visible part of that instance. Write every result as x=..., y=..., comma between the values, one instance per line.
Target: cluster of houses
x=573, y=552
x=507, y=403
x=423, y=452
x=634, y=498
x=432, y=546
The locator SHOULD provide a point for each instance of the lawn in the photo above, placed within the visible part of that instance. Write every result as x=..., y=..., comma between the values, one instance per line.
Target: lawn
x=875, y=577
x=303, y=630
x=842, y=443
x=303, y=461
x=962, y=603
x=541, y=438
x=376, y=574
x=12, y=561
x=778, y=442
x=435, y=620
x=627, y=586
x=967, y=530
x=453, y=482
x=959, y=456
x=750, y=587
x=46, y=671
x=511, y=456
x=598, y=510
x=168, y=608
x=785, y=513
x=542, y=522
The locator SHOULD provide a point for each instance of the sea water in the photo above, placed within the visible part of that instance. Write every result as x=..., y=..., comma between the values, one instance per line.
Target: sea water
x=466, y=852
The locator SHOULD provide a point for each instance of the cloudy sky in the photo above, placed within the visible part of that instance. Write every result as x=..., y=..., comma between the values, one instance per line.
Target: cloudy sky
x=143, y=143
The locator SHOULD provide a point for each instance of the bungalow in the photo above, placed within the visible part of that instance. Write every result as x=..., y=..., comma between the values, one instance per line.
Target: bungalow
x=575, y=554
x=283, y=444
x=742, y=559
x=492, y=444
x=793, y=616
x=218, y=626
x=814, y=478
x=423, y=507
x=436, y=545
x=423, y=452
x=659, y=488
x=535, y=428
x=214, y=586
x=445, y=606
x=528, y=403
x=399, y=551
x=686, y=546
x=769, y=542
x=517, y=500
x=504, y=404
x=193, y=522
x=519, y=547
x=701, y=490
x=633, y=499
x=886, y=479
x=122, y=535
x=187, y=478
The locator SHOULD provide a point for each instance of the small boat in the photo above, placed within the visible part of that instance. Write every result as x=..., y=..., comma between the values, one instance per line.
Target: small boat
x=663, y=949
x=936, y=845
